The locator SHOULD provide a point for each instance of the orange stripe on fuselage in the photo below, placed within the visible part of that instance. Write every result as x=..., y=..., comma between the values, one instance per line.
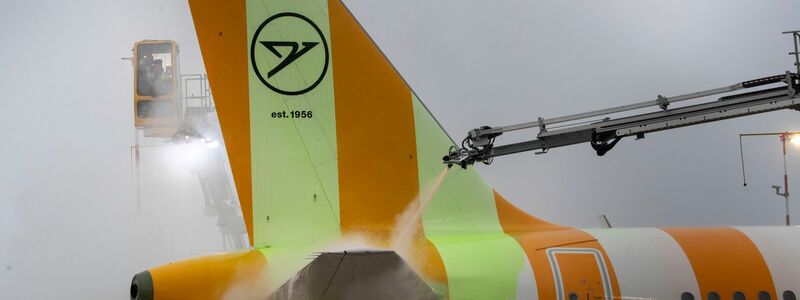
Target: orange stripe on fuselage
x=376, y=140
x=222, y=32
x=535, y=236
x=724, y=260
x=514, y=220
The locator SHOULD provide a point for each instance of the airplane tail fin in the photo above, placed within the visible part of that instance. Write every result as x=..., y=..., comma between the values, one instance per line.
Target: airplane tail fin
x=324, y=136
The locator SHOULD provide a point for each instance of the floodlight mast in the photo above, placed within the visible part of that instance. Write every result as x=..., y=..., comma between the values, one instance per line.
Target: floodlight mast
x=603, y=134
x=786, y=136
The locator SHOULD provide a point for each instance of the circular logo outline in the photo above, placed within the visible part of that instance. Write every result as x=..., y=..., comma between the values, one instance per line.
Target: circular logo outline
x=253, y=54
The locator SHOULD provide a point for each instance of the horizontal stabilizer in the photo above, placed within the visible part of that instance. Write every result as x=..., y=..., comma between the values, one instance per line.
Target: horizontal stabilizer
x=355, y=275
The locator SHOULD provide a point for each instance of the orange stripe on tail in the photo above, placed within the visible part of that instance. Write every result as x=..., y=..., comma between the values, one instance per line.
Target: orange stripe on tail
x=222, y=32
x=374, y=131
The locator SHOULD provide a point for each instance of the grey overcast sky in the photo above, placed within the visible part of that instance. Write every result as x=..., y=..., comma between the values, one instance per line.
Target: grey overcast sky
x=68, y=226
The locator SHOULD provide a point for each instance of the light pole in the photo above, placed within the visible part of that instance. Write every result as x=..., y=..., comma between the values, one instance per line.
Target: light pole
x=785, y=196
x=794, y=137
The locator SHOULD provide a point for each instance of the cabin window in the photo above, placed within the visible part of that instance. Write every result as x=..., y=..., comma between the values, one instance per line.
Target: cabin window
x=573, y=296
x=687, y=296
x=738, y=296
x=789, y=295
x=713, y=296
x=762, y=295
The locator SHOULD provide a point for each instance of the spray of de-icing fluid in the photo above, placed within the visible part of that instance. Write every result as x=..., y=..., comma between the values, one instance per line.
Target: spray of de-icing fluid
x=402, y=239
x=408, y=222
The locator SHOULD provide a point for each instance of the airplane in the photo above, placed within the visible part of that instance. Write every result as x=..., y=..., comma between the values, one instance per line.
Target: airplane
x=304, y=99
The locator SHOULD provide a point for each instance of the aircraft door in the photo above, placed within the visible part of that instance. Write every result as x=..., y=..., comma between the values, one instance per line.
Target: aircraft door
x=579, y=274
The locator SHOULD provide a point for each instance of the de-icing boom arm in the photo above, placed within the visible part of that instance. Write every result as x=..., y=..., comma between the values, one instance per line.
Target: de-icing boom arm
x=603, y=134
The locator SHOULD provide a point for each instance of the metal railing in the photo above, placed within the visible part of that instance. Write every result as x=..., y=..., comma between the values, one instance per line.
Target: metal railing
x=196, y=93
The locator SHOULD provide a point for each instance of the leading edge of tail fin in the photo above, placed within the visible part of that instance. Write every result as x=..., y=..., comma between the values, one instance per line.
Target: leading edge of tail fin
x=324, y=136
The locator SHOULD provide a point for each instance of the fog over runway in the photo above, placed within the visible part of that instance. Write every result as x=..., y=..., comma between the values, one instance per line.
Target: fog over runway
x=68, y=222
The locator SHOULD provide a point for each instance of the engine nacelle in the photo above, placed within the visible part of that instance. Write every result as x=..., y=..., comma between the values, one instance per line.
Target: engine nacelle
x=208, y=277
